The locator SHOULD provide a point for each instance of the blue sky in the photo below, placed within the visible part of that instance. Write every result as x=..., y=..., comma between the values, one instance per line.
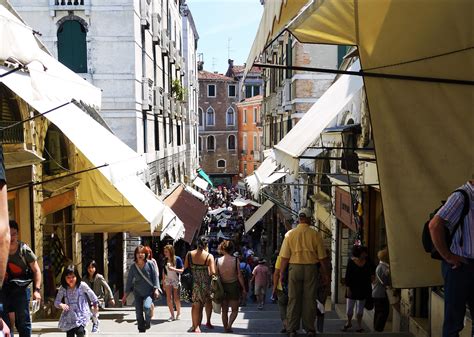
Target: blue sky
x=217, y=21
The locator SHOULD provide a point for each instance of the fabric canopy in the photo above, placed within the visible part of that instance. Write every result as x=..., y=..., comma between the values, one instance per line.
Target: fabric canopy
x=201, y=183
x=307, y=131
x=197, y=194
x=189, y=209
x=266, y=168
x=422, y=130
x=173, y=227
x=100, y=147
x=239, y=202
x=259, y=213
x=276, y=15
x=204, y=176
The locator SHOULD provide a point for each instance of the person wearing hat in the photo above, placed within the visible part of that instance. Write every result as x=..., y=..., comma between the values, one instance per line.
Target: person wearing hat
x=261, y=277
x=300, y=252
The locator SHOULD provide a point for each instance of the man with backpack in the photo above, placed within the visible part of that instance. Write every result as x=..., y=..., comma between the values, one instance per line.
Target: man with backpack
x=458, y=258
x=22, y=269
x=246, y=272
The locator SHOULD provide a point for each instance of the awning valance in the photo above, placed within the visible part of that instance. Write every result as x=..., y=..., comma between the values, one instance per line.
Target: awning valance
x=259, y=213
x=276, y=14
x=189, y=209
x=422, y=130
x=204, y=176
x=307, y=131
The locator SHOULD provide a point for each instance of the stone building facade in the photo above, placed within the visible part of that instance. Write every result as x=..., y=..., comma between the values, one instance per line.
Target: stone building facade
x=250, y=135
x=218, y=144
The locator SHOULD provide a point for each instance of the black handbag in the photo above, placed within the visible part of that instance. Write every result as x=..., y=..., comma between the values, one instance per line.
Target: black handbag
x=187, y=280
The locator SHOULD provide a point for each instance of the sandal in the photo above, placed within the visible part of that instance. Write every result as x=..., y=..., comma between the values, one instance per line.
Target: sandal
x=346, y=327
x=228, y=330
x=360, y=330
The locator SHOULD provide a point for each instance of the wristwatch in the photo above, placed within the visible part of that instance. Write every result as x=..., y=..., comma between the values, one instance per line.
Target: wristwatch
x=37, y=289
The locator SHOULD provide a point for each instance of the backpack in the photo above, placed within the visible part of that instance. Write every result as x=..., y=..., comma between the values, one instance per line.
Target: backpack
x=27, y=276
x=426, y=236
x=246, y=276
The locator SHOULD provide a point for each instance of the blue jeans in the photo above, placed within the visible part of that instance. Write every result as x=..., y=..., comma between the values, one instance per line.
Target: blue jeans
x=458, y=292
x=143, y=306
x=18, y=301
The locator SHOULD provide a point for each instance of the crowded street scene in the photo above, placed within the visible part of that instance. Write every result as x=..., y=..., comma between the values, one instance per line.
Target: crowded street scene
x=236, y=167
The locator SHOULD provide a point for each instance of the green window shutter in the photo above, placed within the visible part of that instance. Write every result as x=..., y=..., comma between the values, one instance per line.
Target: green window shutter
x=72, y=48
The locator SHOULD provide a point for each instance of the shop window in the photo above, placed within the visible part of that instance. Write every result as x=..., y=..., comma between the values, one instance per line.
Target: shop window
x=244, y=113
x=55, y=152
x=72, y=46
x=10, y=114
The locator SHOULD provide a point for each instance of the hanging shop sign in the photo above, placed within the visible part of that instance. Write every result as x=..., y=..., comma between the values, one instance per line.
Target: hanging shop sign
x=344, y=208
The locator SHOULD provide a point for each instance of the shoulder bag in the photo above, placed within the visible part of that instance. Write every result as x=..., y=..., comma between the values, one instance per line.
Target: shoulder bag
x=187, y=281
x=147, y=279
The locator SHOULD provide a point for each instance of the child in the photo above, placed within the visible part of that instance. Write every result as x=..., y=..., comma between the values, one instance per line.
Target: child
x=100, y=287
x=73, y=298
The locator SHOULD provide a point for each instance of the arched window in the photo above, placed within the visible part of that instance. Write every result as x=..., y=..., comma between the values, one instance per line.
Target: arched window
x=231, y=142
x=210, y=143
x=221, y=163
x=72, y=47
x=230, y=116
x=210, y=116
x=200, y=113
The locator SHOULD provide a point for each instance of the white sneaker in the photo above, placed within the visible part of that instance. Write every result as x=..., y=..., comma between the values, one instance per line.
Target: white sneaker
x=171, y=319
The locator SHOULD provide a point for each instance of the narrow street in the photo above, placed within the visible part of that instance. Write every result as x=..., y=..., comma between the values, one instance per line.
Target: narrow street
x=249, y=322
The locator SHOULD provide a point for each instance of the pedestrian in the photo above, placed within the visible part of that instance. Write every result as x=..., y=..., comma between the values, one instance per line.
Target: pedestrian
x=73, y=298
x=101, y=289
x=22, y=270
x=171, y=275
x=379, y=290
x=142, y=280
x=157, y=275
x=201, y=263
x=280, y=292
x=246, y=272
x=458, y=259
x=4, y=239
x=228, y=269
x=322, y=292
x=301, y=250
x=358, y=281
x=261, y=277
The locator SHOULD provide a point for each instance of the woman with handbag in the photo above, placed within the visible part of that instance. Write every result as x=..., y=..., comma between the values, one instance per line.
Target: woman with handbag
x=76, y=296
x=201, y=264
x=358, y=281
x=142, y=280
x=228, y=269
x=102, y=290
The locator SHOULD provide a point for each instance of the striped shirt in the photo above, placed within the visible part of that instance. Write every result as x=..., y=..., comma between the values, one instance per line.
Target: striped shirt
x=451, y=212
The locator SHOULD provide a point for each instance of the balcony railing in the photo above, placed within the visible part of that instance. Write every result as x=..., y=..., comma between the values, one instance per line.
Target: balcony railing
x=12, y=135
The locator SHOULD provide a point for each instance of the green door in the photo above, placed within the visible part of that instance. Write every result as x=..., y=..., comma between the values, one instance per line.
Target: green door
x=72, y=46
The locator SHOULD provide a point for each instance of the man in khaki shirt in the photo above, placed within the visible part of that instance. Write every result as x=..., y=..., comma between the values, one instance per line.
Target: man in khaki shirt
x=301, y=250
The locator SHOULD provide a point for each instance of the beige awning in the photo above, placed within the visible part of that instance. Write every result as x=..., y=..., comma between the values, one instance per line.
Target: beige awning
x=422, y=130
x=259, y=213
x=276, y=14
x=308, y=130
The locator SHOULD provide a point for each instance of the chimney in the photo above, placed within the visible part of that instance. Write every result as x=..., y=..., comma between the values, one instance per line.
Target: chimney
x=230, y=69
x=200, y=65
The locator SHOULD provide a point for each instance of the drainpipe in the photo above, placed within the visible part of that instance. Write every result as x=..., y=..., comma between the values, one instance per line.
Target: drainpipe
x=32, y=218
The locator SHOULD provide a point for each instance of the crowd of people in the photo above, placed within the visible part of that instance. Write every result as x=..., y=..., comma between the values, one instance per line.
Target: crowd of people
x=299, y=279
